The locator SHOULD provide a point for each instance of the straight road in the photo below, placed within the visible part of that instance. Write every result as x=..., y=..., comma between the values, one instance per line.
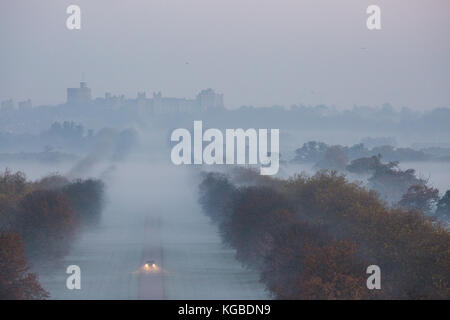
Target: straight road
x=152, y=216
x=151, y=281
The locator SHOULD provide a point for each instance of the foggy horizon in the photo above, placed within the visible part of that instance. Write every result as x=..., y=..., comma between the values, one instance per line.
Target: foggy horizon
x=257, y=53
x=216, y=150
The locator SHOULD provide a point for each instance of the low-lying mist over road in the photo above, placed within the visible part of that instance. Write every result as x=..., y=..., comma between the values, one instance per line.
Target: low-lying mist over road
x=153, y=240
x=151, y=213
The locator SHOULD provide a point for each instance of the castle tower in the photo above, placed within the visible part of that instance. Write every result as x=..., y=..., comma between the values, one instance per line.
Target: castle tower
x=79, y=95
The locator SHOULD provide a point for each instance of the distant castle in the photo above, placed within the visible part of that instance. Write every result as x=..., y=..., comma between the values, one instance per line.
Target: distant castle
x=206, y=100
x=79, y=95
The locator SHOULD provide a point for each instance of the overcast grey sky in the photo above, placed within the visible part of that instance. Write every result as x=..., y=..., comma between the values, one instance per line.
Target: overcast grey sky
x=257, y=52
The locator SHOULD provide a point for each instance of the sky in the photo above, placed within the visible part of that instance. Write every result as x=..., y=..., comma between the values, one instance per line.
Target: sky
x=256, y=52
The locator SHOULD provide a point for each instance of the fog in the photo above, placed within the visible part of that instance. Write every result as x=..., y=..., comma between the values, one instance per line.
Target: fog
x=257, y=52
x=438, y=173
x=151, y=212
x=370, y=105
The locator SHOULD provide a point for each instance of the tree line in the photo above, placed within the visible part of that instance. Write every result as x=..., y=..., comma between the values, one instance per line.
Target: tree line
x=38, y=221
x=312, y=237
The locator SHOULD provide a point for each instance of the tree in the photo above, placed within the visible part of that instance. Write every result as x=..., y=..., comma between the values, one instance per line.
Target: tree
x=332, y=272
x=311, y=151
x=46, y=222
x=392, y=183
x=420, y=197
x=443, y=206
x=333, y=159
x=258, y=213
x=365, y=165
x=13, y=187
x=15, y=280
x=313, y=237
x=86, y=198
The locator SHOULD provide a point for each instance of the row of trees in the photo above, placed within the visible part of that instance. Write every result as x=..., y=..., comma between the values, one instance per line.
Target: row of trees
x=402, y=187
x=316, y=152
x=314, y=237
x=396, y=186
x=38, y=221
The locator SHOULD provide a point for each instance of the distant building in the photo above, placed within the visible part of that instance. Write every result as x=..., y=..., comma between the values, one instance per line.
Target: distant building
x=205, y=100
x=208, y=99
x=142, y=103
x=25, y=105
x=79, y=95
x=165, y=105
x=111, y=100
x=157, y=104
x=8, y=105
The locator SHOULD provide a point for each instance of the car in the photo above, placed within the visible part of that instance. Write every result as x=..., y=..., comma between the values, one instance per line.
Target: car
x=150, y=264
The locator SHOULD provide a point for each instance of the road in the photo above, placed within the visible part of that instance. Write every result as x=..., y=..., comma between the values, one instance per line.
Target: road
x=151, y=275
x=152, y=215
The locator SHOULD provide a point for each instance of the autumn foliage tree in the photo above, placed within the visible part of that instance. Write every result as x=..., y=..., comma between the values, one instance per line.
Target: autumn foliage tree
x=312, y=237
x=38, y=220
x=15, y=280
x=333, y=159
x=332, y=272
x=86, y=199
x=420, y=197
x=46, y=222
x=263, y=209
